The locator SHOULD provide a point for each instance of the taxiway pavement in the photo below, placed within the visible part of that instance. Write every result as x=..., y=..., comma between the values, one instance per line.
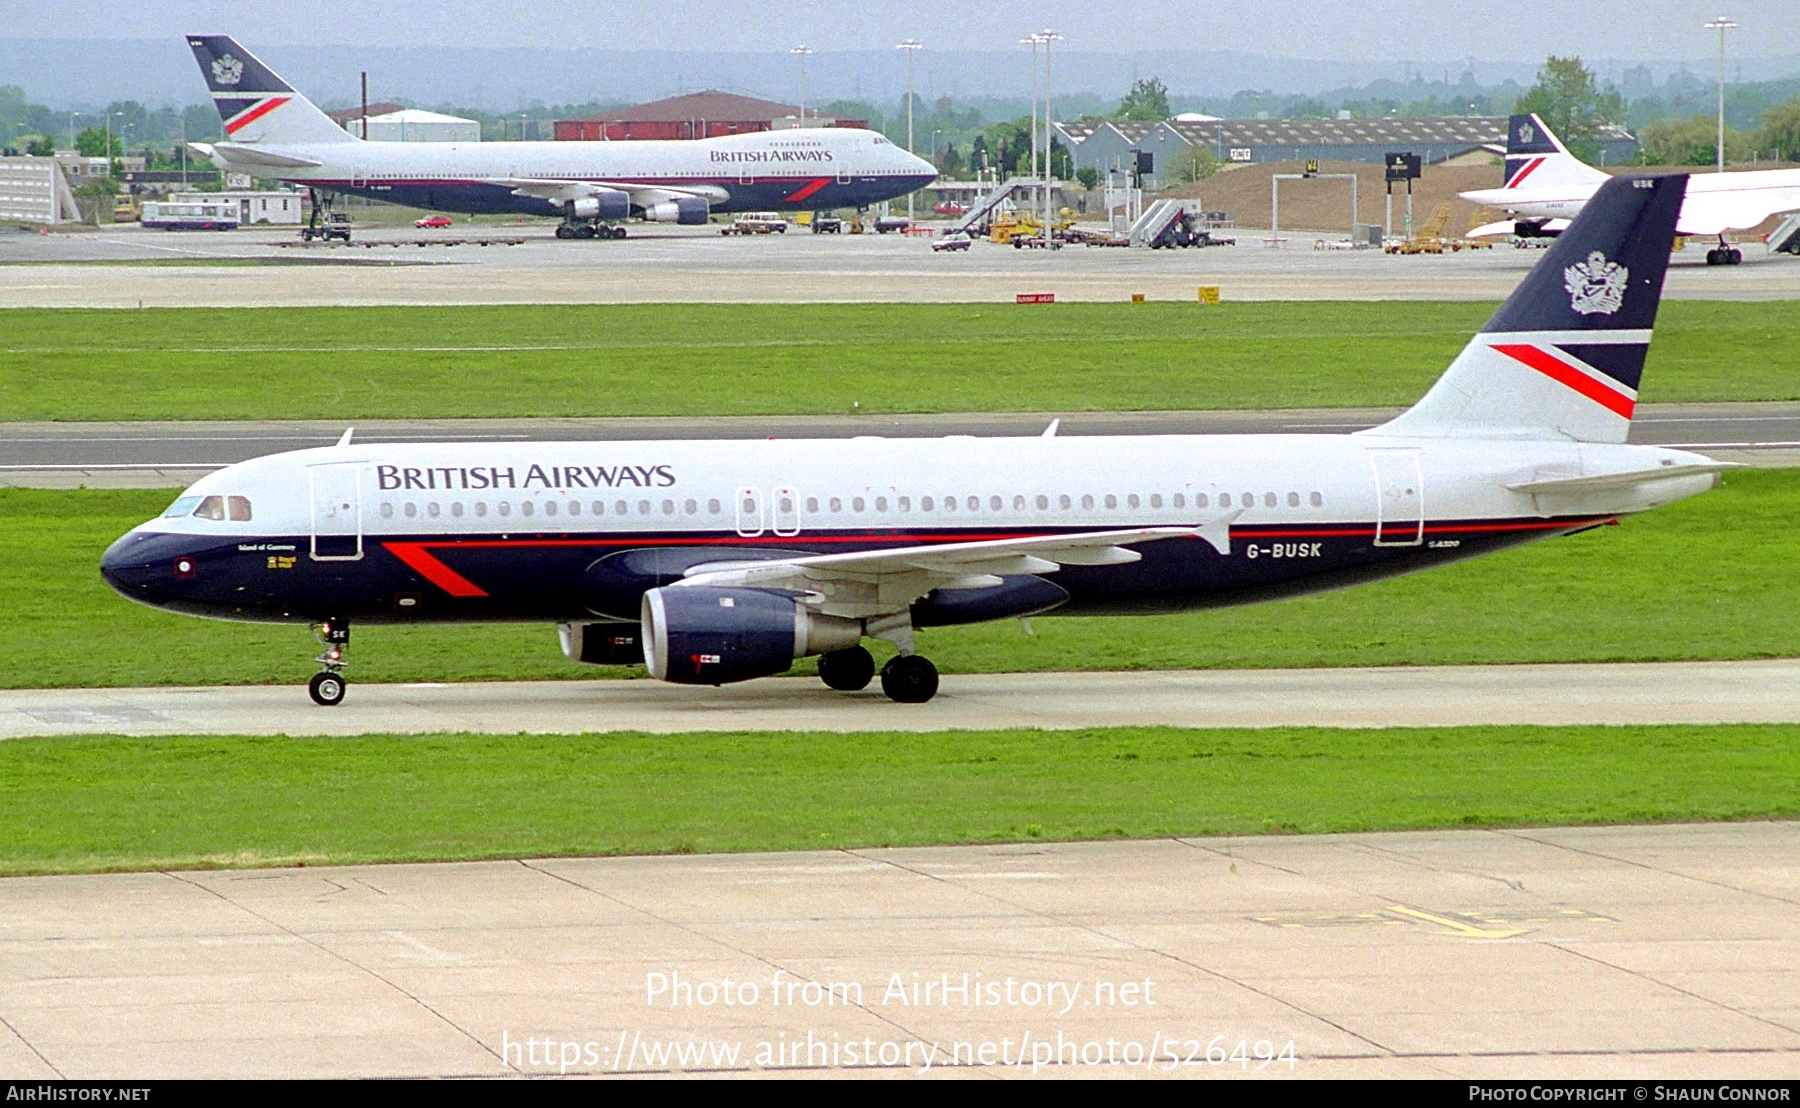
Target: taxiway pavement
x=170, y=453
x=260, y=267
x=1762, y=691
x=1613, y=952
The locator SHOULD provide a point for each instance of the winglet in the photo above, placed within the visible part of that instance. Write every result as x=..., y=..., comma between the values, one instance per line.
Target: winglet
x=344, y=440
x=1050, y=431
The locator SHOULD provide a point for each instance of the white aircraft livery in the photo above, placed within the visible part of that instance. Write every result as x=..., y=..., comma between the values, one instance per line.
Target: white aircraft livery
x=720, y=561
x=274, y=132
x=1546, y=186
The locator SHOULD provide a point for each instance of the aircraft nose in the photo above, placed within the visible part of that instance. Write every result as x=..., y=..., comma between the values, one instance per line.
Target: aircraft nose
x=144, y=567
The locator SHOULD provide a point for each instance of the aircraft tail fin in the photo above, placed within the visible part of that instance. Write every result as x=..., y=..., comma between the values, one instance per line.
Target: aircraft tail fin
x=256, y=105
x=1535, y=156
x=1563, y=356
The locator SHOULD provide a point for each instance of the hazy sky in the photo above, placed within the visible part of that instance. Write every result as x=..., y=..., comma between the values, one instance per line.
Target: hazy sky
x=1326, y=29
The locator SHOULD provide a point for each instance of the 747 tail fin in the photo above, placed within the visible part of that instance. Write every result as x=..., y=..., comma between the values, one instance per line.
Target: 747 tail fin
x=256, y=105
x=1562, y=357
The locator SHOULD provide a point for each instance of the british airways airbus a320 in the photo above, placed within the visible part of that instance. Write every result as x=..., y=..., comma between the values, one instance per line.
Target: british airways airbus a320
x=716, y=562
x=274, y=132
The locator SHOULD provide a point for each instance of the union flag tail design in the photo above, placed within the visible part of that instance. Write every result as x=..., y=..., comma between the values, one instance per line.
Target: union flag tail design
x=256, y=105
x=1562, y=357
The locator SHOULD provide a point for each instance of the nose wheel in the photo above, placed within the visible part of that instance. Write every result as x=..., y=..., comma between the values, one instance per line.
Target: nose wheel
x=327, y=686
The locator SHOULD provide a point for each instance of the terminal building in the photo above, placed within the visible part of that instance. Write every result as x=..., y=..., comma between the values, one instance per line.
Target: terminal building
x=1117, y=144
x=707, y=114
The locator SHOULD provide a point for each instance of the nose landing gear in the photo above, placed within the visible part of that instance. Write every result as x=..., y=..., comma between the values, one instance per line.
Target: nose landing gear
x=327, y=686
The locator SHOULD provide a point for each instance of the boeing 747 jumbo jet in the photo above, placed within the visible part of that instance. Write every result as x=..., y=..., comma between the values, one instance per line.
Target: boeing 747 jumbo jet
x=274, y=132
x=1546, y=186
x=719, y=561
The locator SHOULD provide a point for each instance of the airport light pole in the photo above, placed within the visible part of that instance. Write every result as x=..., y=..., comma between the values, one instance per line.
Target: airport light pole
x=802, y=50
x=911, y=46
x=1722, y=24
x=1033, y=41
x=1049, y=37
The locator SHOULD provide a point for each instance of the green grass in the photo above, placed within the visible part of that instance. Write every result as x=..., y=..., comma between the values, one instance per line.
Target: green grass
x=1710, y=577
x=82, y=805
x=701, y=359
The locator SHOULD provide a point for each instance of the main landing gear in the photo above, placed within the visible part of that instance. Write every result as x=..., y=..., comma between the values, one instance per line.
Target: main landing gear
x=588, y=230
x=907, y=678
x=1724, y=254
x=327, y=686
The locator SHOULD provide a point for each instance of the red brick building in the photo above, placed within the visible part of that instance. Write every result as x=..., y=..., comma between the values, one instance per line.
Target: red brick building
x=705, y=114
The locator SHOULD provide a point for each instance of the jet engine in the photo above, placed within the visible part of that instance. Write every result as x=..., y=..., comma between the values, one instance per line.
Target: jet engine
x=601, y=644
x=606, y=205
x=696, y=635
x=682, y=209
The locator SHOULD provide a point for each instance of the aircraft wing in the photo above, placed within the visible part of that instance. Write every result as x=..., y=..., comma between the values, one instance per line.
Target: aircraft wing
x=562, y=191
x=875, y=582
x=1713, y=213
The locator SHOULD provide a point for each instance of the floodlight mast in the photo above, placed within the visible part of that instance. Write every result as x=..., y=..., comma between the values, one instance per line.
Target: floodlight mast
x=911, y=46
x=1049, y=37
x=802, y=50
x=1722, y=24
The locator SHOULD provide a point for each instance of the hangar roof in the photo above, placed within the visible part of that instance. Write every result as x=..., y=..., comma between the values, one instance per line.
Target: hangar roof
x=708, y=104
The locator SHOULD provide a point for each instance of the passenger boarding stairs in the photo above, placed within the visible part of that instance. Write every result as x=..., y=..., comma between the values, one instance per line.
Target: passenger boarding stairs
x=1785, y=239
x=980, y=216
x=1156, y=219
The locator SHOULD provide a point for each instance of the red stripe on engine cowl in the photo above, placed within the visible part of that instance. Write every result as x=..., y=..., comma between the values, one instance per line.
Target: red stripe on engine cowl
x=1565, y=374
x=233, y=126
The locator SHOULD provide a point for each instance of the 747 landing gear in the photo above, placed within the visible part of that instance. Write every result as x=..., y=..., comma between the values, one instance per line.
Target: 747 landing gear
x=327, y=686
x=588, y=231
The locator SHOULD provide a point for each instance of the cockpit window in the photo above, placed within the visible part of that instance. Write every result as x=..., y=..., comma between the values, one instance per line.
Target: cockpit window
x=238, y=507
x=213, y=507
x=183, y=506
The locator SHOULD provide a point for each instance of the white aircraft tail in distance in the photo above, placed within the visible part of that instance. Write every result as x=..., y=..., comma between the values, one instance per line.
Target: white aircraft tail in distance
x=272, y=131
x=716, y=561
x=1546, y=186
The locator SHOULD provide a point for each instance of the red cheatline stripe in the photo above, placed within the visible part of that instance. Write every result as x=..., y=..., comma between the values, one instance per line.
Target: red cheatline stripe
x=1565, y=374
x=428, y=567
x=233, y=126
x=817, y=184
x=1524, y=173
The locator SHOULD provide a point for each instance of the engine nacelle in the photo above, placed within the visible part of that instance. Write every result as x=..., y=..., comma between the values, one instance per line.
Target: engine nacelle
x=682, y=209
x=602, y=644
x=607, y=205
x=695, y=635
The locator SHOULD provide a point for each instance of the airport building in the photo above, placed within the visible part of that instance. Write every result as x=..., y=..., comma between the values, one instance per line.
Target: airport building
x=1116, y=145
x=33, y=190
x=707, y=114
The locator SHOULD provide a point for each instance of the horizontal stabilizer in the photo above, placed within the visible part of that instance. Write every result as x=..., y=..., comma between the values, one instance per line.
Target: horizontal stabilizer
x=1621, y=480
x=249, y=156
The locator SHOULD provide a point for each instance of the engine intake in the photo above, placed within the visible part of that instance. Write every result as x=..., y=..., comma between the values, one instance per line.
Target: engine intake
x=696, y=635
x=685, y=210
x=606, y=205
x=602, y=644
